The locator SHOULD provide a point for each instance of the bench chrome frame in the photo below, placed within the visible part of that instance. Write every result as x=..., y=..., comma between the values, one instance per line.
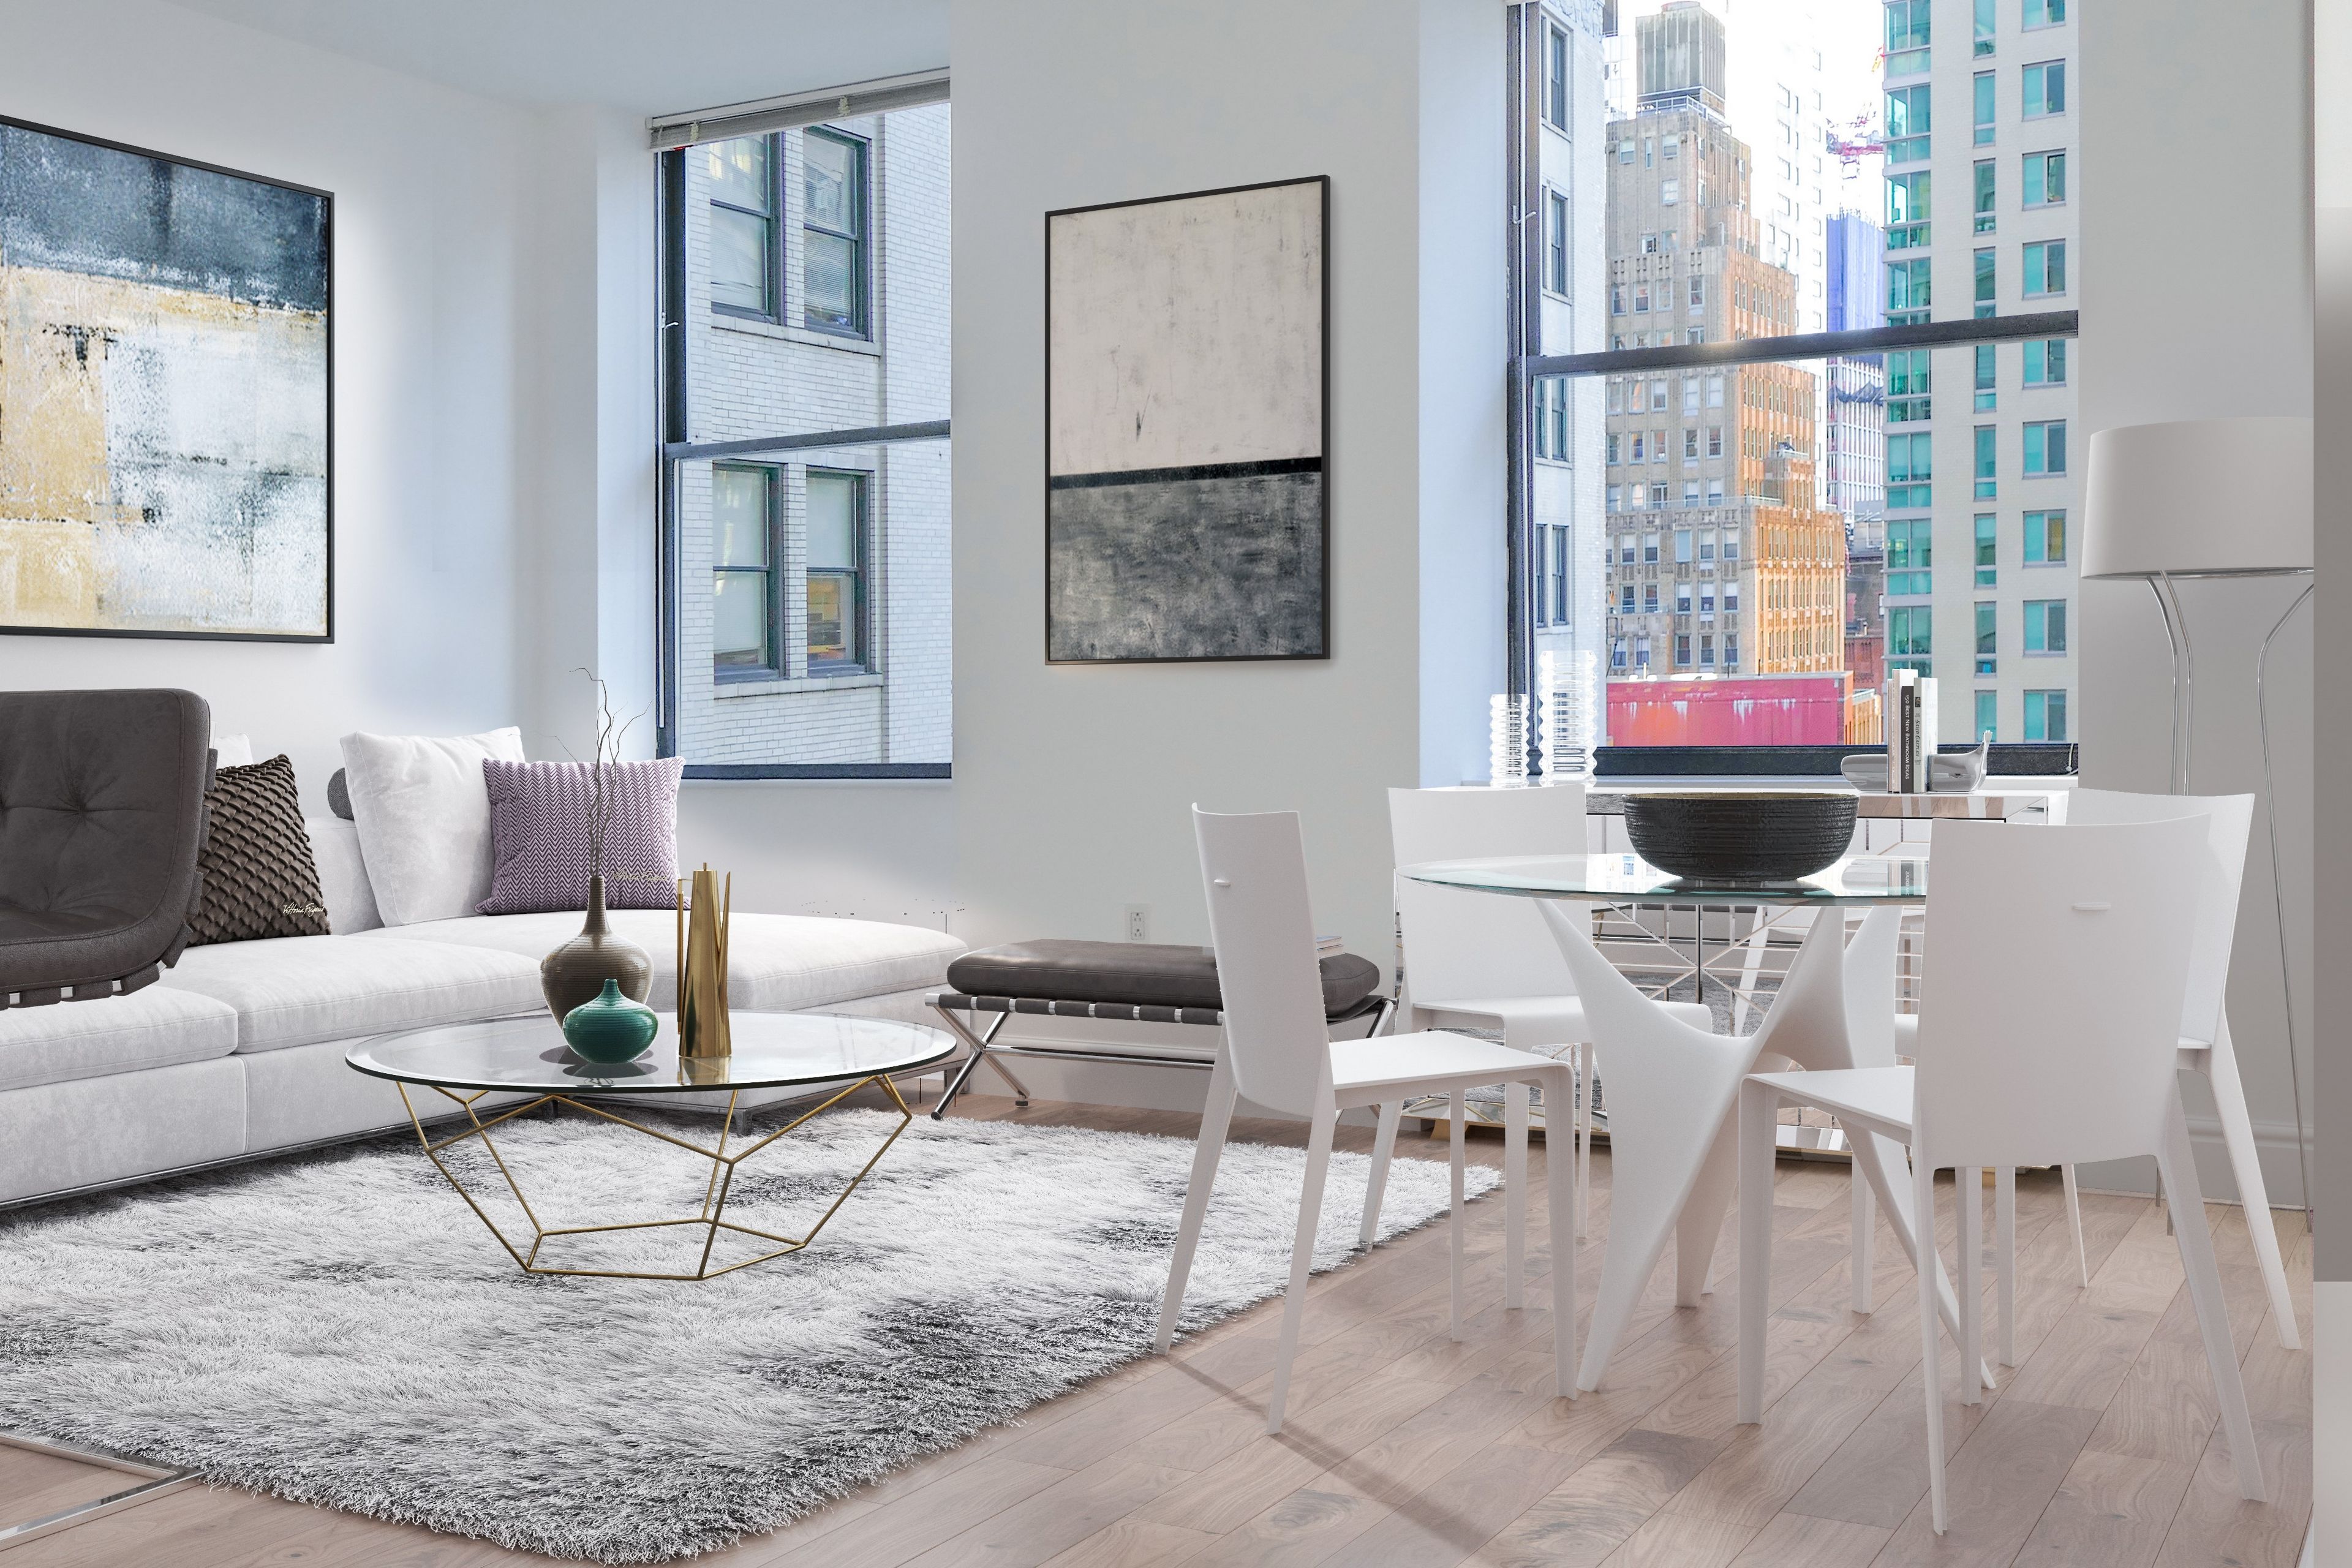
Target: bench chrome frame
x=980, y=1045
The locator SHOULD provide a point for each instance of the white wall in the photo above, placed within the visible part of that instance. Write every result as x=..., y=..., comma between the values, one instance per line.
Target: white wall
x=428, y=311
x=1073, y=783
x=2167, y=107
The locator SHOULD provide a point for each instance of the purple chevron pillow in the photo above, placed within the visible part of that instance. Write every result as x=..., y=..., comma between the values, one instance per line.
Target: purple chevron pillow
x=539, y=835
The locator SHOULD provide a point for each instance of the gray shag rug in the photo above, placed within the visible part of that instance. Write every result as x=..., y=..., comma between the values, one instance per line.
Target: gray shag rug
x=339, y=1330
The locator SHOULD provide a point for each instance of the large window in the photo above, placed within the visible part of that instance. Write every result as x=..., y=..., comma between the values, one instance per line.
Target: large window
x=805, y=529
x=1760, y=555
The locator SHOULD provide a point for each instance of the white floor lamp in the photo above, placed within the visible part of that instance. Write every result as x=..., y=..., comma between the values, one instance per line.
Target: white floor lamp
x=2209, y=498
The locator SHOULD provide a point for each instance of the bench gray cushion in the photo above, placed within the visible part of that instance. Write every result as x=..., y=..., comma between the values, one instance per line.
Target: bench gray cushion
x=1145, y=974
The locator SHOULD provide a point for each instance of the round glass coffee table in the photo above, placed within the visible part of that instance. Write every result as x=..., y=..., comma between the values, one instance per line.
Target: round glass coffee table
x=833, y=1054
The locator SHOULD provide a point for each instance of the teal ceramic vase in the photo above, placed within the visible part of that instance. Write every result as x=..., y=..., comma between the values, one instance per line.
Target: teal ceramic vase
x=612, y=1027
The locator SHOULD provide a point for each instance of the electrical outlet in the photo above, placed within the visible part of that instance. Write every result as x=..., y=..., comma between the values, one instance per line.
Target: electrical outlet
x=1139, y=922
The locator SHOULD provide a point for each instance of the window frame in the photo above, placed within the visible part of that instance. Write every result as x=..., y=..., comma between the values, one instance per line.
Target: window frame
x=859, y=576
x=776, y=664
x=1559, y=272
x=774, y=262
x=1556, y=107
x=2045, y=67
x=861, y=272
x=2057, y=759
x=673, y=323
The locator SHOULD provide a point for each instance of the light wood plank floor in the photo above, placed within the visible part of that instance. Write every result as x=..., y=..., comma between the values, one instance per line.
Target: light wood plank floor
x=2101, y=1449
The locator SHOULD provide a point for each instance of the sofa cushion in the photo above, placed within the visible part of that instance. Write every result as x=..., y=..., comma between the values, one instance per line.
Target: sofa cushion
x=543, y=829
x=295, y=991
x=259, y=877
x=775, y=964
x=151, y=1029
x=424, y=818
x=342, y=875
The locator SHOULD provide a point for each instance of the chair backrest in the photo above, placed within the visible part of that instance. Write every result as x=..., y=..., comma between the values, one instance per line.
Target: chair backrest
x=2228, y=821
x=1460, y=945
x=101, y=822
x=1254, y=874
x=2057, y=960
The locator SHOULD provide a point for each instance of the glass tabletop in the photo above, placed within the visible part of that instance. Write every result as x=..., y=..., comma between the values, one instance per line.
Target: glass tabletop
x=1857, y=879
x=771, y=1049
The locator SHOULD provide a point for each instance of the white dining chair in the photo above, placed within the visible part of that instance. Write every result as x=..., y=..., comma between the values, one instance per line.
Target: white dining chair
x=2204, y=1043
x=1672, y=1149
x=1484, y=960
x=2061, y=962
x=1278, y=1051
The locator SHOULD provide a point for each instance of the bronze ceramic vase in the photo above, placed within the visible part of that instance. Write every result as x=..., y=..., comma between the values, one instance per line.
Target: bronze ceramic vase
x=576, y=971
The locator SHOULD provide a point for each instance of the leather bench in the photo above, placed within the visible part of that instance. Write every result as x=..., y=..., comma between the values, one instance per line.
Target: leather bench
x=1124, y=981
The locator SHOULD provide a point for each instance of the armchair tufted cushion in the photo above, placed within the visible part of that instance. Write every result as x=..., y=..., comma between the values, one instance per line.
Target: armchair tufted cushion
x=102, y=815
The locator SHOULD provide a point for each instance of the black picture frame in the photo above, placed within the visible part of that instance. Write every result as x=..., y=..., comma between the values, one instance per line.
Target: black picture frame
x=1322, y=461
x=326, y=200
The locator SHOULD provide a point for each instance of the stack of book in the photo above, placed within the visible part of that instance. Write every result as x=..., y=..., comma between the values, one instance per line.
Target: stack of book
x=1910, y=711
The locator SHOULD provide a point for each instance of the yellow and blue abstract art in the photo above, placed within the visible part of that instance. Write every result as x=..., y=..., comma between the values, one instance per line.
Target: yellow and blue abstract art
x=165, y=356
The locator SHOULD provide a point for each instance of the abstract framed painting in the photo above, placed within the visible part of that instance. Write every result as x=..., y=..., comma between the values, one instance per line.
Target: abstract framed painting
x=1187, y=423
x=166, y=396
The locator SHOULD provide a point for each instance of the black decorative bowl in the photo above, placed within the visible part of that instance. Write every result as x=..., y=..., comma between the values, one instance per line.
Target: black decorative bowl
x=1740, y=839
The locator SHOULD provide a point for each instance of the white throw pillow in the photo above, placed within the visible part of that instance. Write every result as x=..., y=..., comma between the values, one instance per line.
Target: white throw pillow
x=423, y=819
x=232, y=750
x=342, y=875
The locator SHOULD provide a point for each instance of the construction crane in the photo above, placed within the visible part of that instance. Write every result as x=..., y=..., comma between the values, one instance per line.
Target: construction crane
x=1853, y=141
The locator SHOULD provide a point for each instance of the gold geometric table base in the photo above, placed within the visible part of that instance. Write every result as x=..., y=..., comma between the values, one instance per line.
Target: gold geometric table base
x=711, y=1216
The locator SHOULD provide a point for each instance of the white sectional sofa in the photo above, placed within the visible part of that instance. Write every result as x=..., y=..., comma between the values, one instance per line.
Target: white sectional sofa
x=238, y=1050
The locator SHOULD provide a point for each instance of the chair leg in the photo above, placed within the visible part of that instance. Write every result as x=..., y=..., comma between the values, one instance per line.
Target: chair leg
x=1383, y=1145
x=1967, y=1191
x=1454, y=1219
x=2176, y=1162
x=2004, y=1247
x=2246, y=1165
x=1515, y=1196
x=1885, y=1162
x=1587, y=1083
x=1865, y=1232
x=1931, y=1373
x=1216, y=1115
x=1302, y=1258
x=2075, y=1224
x=1560, y=1200
x=1758, y=1114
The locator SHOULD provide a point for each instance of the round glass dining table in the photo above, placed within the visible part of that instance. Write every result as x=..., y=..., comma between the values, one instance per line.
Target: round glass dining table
x=1666, y=1131
x=1628, y=880
x=1859, y=880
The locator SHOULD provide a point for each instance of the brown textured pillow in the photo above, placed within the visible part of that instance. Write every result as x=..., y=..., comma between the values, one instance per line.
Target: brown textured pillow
x=259, y=878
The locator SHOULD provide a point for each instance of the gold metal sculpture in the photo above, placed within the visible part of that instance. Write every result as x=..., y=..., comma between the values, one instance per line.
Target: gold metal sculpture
x=702, y=919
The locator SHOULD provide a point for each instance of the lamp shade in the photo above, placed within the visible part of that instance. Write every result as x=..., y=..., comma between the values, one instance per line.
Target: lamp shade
x=2200, y=497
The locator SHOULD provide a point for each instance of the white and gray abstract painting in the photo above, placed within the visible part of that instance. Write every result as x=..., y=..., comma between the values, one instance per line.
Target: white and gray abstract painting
x=163, y=385
x=1186, y=494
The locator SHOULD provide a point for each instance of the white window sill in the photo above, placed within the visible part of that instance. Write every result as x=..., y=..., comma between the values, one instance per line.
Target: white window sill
x=724, y=689
x=796, y=335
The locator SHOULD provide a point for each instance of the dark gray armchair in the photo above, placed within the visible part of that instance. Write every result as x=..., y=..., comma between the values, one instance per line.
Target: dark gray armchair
x=101, y=816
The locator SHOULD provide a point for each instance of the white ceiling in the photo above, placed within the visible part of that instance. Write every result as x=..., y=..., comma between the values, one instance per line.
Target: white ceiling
x=648, y=57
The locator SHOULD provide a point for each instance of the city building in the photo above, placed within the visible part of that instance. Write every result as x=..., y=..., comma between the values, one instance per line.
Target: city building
x=1566, y=264
x=814, y=281
x=1853, y=457
x=1724, y=563
x=1982, y=467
